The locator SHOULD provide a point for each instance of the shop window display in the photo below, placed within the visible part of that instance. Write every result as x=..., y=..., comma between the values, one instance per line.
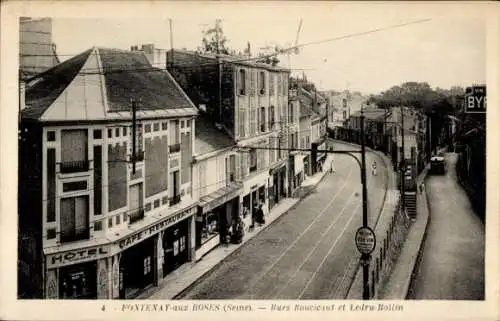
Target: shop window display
x=207, y=227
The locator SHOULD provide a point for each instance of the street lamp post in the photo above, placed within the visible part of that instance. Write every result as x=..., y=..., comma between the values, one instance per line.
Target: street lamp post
x=365, y=258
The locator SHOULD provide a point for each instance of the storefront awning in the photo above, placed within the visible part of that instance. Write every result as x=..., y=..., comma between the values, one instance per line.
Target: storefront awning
x=277, y=167
x=220, y=196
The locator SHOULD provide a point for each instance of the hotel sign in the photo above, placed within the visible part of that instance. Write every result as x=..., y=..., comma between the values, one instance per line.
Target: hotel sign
x=77, y=256
x=151, y=230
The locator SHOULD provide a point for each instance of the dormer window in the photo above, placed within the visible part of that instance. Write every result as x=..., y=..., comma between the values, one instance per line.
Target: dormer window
x=242, y=81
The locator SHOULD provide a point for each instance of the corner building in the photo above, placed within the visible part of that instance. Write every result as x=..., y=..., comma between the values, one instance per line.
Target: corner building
x=111, y=221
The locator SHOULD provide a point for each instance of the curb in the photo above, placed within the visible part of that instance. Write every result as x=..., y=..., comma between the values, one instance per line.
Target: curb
x=415, y=263
x=236, y=251
x=418, y=258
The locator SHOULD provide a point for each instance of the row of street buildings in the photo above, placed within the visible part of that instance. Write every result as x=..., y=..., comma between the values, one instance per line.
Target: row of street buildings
x=135, y=162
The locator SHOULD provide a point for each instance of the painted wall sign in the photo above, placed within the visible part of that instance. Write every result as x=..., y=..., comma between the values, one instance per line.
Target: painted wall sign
x=153, y=229
x=76, y=256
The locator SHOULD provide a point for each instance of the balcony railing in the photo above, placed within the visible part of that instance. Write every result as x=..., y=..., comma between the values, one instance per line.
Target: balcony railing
x=175, y=148
x=139, y=156
x=75, y=235
x=74, y=166
x=175, y=200
x=136, y=215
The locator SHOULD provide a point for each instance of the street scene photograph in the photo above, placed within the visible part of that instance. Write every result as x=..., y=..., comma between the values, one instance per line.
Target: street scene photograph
x=269, y=155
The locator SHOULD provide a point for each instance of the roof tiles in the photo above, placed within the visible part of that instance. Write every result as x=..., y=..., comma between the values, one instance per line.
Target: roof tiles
x=99, y=83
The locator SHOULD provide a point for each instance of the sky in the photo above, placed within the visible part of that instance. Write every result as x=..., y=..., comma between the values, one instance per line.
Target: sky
x=445, y=51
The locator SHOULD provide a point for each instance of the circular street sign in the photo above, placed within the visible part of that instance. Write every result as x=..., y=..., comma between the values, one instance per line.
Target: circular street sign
x=365, y=240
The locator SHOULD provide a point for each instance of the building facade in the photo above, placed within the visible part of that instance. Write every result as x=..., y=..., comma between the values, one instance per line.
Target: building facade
x=249, y=101
x=296, y=163
x=214, y=184
x=314, y=106
x=113, y=201
x=305, y=137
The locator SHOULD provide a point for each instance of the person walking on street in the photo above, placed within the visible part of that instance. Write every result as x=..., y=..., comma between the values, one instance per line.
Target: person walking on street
x=374, y=168
x=332, y=167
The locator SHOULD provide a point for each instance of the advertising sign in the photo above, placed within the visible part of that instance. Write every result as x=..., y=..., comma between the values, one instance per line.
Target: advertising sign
x=365, y=240
x=475, y=99
x=77, y=256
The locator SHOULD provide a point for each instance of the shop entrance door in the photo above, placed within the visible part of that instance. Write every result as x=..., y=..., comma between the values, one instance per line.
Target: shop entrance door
x=276, y=188
x=175, y=246
x=138, y=267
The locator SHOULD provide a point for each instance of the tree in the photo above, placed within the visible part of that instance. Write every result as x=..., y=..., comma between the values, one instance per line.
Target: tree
x=269, y=59
x=214, y=40
x=436, y=104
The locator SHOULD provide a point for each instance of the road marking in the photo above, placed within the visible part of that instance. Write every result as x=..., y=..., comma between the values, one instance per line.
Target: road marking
x=320, y=214
x=317, y=244
x=331, y=249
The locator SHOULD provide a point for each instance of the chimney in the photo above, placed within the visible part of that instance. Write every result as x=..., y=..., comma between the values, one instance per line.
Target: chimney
x=22, y=95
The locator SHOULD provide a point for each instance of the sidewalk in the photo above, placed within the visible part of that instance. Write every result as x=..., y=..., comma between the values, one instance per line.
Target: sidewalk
x=174, y=284
x=399, y=281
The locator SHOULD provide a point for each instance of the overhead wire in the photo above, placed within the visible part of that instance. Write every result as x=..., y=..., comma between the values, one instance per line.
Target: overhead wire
x=229, y=59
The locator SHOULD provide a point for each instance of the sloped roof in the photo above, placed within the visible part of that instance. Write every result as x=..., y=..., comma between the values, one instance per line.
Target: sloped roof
x=99, y=84
x=43, y=91
x=305, y=102
x=305, y=110
x=312, y=95
x=208, y=138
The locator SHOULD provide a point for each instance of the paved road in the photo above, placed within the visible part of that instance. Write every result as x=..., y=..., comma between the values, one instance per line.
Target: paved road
x=452, y=265
x=308, y=252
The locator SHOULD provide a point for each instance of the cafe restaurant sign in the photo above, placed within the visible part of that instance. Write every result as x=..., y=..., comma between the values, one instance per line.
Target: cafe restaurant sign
x=76, y=256
x=153, y=229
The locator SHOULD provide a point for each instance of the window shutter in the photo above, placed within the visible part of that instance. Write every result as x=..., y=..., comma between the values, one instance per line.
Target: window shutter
x=74, y=145
x=244, y=166
x=67, y=216
x=81, y=214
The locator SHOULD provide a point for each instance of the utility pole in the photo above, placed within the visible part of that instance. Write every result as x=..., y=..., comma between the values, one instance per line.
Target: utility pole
x=219, y=73
x=385, y=129
x=364, y=257
x=403, y=160
x=134, y=125
x=171, y=42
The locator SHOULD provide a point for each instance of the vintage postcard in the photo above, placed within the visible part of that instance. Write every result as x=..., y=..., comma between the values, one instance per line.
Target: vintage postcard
x=249, y=160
